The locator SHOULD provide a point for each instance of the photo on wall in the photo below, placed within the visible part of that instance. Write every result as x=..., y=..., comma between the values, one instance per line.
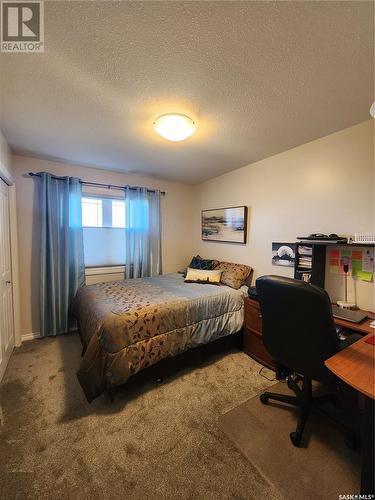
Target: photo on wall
x=225, y=224
x=283, y=254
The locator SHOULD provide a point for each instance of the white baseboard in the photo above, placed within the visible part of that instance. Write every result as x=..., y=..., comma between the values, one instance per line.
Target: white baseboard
x=94, y=271
x=36, y=335
x=30, y=336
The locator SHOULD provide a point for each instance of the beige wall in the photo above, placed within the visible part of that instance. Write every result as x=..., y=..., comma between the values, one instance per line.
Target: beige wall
x=4, y=154
x=324, y=186
x=176, y=224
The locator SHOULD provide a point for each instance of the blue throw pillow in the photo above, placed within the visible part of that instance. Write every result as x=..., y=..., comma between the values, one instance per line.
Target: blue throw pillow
x=205, y=264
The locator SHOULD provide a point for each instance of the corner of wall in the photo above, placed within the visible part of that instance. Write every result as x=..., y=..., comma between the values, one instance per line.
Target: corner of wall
x=5, y=159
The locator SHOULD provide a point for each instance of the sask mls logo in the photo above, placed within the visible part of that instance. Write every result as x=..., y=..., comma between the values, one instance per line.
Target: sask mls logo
x=22, y=26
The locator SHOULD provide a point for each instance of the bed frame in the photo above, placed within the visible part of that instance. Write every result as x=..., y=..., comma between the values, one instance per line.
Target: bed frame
x=169, y=366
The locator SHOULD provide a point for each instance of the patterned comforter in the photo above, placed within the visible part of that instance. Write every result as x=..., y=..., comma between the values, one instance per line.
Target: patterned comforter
x=129, y=325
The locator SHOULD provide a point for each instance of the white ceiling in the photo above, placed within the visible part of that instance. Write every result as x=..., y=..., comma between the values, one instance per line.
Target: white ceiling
x=258, y=77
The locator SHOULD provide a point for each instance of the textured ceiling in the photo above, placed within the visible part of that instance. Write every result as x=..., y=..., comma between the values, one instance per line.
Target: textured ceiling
x=258, y=77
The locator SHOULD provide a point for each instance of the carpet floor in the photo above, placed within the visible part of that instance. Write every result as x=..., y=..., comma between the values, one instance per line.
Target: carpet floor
x=323, y=468
x=159, y=441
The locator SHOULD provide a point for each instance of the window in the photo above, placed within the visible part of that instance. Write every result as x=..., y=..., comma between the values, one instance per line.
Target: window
x=103, y=221
x=92, y=212
x=118, y=213
x=103, y=212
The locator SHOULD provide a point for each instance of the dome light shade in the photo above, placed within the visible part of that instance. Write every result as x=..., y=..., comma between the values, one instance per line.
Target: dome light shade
x=174, y=127
x=372, y=110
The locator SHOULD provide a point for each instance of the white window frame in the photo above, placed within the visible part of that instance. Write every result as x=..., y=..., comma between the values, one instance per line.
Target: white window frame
x=106, y=209
x=106, y=223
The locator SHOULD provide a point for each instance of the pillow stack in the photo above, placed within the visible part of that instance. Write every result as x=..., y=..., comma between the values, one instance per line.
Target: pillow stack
x=227, y=273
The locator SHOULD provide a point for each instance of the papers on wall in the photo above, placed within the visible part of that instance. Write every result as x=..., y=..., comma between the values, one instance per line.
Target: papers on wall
x=334, y=260
x=360, y=260
x=368, y=262
x=365, y=276
x=356, y=258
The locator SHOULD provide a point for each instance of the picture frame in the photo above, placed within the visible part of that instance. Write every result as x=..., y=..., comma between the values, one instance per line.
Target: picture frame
x=225, y=225
x=283, y=254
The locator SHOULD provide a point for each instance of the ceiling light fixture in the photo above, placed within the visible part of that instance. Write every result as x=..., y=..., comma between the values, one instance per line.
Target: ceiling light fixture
x=372, y=110
x=174, y=127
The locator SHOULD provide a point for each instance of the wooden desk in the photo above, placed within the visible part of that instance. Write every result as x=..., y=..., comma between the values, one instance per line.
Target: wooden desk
x=252, y=340
x=362, y=327
x=355, y=365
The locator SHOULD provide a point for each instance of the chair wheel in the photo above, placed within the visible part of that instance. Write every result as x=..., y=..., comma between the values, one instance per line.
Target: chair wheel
x=289, y=384
x=295, y=437
x=264, y=398
x=293, y=379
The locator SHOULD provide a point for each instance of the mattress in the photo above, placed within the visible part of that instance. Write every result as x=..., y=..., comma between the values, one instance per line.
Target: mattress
x=127, y=326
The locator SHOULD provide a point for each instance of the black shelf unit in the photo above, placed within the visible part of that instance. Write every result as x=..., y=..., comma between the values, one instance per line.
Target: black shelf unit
x=318, y=264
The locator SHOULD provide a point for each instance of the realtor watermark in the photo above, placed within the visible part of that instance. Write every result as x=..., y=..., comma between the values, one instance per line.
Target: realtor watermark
x=357, y=496
x=22, y=26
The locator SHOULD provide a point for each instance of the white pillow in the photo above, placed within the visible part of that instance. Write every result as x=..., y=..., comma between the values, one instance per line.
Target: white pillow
x=203, y=276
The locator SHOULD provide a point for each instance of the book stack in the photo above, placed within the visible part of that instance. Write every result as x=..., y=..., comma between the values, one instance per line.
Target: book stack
x=304, y=250
x=310, y=263
x=305, y=257
x=305, y=262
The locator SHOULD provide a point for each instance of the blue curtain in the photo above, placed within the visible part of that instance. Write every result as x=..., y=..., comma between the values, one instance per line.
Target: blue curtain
x=62, y=262
x=142, y=233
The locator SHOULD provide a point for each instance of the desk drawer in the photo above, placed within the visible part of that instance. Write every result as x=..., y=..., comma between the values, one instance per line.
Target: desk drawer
x=253, y=318
x=253, y=346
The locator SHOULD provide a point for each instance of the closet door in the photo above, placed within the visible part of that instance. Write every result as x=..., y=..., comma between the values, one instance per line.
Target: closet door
x=6, y=298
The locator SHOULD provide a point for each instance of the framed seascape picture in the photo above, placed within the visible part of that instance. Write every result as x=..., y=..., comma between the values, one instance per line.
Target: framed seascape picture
x=225, y=224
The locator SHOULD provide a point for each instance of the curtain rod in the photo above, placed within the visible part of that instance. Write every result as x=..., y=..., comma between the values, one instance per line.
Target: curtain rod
x=99, y=184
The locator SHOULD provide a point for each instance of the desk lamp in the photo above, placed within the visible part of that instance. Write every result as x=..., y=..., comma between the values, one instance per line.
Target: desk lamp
x=344, y=303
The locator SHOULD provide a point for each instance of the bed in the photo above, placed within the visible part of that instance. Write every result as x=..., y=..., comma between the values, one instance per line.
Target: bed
x=127, y=326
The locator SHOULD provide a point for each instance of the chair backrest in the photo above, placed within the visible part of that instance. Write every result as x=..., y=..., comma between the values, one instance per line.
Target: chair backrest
x=298, y=327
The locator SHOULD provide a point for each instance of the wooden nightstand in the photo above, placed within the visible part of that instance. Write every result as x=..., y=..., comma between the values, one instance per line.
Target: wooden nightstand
x=252, y=340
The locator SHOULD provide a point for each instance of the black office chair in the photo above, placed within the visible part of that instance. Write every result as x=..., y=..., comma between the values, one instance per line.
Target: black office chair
x=299, y=332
